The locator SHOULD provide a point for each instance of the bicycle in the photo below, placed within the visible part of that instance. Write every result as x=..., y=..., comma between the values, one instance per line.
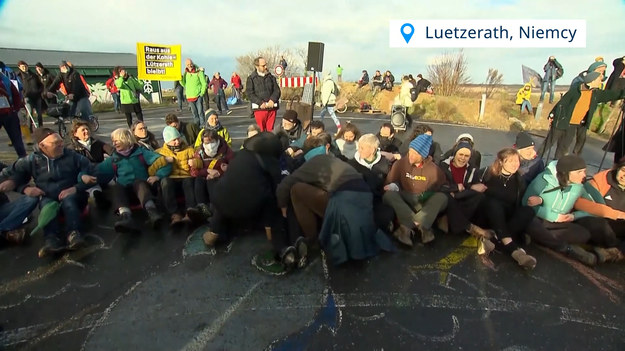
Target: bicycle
x=343, y=102
x=60, y=111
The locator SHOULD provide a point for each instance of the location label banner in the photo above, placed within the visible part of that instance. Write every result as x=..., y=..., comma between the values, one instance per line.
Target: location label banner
x=159, y=62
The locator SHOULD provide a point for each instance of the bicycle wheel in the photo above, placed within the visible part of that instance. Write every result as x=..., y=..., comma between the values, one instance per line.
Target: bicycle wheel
x=94, y=123
x=341, y=108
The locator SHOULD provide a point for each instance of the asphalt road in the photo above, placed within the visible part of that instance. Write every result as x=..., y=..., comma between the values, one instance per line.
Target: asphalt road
x=164, y=291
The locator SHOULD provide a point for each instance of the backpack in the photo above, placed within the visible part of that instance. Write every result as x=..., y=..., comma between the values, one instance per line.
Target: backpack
x=414, y=93
x=7, y=98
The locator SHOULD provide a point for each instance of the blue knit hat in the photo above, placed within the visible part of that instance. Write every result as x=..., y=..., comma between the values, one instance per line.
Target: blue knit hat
x=170, y=133
x=421, y=144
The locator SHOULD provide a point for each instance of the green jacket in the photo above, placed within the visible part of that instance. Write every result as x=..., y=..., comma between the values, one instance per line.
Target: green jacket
x=194, y=83
x=556, y=201
x=563, y=110
x=128, y=89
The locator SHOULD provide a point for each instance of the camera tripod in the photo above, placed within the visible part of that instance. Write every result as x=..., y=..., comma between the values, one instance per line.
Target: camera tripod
x=611, y=142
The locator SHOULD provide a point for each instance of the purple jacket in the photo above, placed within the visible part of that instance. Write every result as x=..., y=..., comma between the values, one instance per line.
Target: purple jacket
x=217, y=84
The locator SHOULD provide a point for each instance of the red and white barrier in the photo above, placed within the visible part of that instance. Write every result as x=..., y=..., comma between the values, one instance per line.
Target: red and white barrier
x=296, y=82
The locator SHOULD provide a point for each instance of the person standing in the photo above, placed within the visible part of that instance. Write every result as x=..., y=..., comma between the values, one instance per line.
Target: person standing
x=195, y=86
x=218, y=85
x=339, y=74
x=32, y=91
x=75, y=88
x=129, y=87
x=46, y=79
x=523, y=98
x=112, y=88
x=329, y=92
x=236, y=84
x=553, y=71
x=179, y=91
x=8, y=115
x=263, y=92
x=283, y=63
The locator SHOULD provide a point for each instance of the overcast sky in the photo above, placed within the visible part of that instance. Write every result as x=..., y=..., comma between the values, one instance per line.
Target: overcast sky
x=355, y=33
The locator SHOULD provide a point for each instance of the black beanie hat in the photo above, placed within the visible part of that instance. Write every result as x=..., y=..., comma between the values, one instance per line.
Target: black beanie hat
x=570, y=163
x=41, y=133
x=290, y=115
x=523, y=140
x=463, y=145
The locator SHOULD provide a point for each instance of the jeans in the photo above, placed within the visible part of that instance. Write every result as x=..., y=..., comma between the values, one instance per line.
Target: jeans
x=14, y=213
x=170, y=186
x=72, y=207
x=179, y=97
x=84, y=108
x=11, y=123
x=116, y=101
x=197, y=108
x=221, y=101
x=35, y=104
x=410, y=210
x=330, y=111
x=544, y=88
x=526, y=105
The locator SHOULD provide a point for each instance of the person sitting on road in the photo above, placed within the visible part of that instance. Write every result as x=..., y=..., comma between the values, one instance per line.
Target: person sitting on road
x=374, y=168
x=143, y=136
x=388, y=142
x=502, y=209
x=212, y=123
x=328, y=189
x=317, y=127
x=413, y=191
x=347, y=140
x=136, y=171
x=435, y=150
x=59, y=175
x=215, y=154
x=189, y=131
x=465, y=194
x=291, y=133
x=13, y=213
x=93, y=149
x=476, y=156
x=553, y=195
x=177, y=152
x=531, y=164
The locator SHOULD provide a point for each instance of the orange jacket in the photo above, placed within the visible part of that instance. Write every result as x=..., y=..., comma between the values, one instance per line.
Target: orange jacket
x=599, y=182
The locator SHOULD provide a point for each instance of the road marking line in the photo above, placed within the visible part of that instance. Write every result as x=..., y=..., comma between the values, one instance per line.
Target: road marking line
x=445, y=264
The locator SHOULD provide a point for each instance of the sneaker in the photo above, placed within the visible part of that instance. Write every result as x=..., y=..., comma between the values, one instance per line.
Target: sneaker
x=578, y=253
x=403, y=235
x=523, y=259
x=267, y=263
x=485, y=246
x=52, y=246
x=155, y=218
x=125, y=224
x=75, y=240
x=301, y=249
x=479, y=232
x=612, y=254
x=229, y=112
x=16, y=236
x=205, y=209
x=287, y=257
x=194, y=215
x=210, y=238
x=426, y=235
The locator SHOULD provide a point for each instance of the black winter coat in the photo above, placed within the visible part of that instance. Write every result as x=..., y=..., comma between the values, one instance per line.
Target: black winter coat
x=261, y=89
x=96, y=154
x=32, y=85
x=73, y=84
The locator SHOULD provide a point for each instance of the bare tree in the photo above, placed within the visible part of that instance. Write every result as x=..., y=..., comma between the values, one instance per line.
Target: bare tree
x=493, y=82
x=272, y=54
x=449, y=73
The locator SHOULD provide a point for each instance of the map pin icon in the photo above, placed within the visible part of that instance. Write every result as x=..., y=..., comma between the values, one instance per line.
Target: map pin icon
x=407, y=30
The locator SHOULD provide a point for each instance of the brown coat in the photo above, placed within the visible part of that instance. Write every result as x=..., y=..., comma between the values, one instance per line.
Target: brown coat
x=416, y=179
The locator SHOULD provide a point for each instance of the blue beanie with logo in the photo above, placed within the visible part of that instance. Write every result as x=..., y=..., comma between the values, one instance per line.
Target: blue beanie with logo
x=421, y=144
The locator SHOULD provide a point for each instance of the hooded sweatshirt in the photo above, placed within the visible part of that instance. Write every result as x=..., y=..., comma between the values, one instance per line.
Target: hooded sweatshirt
x=416, y=179
x=523, y=94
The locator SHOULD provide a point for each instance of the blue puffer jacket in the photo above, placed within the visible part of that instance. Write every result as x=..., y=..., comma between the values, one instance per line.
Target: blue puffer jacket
x=556, y=200
x=126, y=169
x=51, y=175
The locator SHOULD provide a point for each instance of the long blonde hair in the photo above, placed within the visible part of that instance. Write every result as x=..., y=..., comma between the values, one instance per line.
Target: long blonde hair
x=502, y=155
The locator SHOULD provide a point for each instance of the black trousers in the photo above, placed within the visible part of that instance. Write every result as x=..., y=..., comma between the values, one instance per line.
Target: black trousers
x=203, y=188
x=124, y=194
x=557, y=236
x=506, y=221
x=460, y=212
x=128, y=109
x=601, y=232
x=169, y=187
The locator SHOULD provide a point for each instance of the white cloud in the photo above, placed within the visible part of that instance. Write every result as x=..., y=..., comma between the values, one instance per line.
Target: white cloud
x=355, y=32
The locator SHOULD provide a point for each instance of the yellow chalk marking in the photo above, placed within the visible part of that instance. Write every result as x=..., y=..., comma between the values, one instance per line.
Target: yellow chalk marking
x=444, y=265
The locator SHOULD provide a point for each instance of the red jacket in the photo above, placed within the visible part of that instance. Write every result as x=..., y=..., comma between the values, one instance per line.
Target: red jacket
x=110, y=85
x=236, y=81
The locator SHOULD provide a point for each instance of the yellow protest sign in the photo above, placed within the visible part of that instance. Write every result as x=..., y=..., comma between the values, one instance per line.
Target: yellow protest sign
x=158, y=62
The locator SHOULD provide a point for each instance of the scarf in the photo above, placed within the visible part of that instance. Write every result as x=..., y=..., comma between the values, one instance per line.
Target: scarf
x=176, y=148
x=126, y=152
x=86, y=144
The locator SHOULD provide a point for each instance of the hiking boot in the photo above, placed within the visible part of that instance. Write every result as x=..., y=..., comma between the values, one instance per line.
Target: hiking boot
x=52, y=246
x=16, y=236
x=210, y=238
x=287, y=257
x=578, y=253
x=75, y=240
x=403, y=235
x=485, y=246
x=523, y=259
x=427, y=236
x=155, y=218
x=194, y=215
x=443, y=224
x=125, y=224
x=479, y=232
x=301, y=248
x=205, y=209
x=612, y=254
x=267, y=263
